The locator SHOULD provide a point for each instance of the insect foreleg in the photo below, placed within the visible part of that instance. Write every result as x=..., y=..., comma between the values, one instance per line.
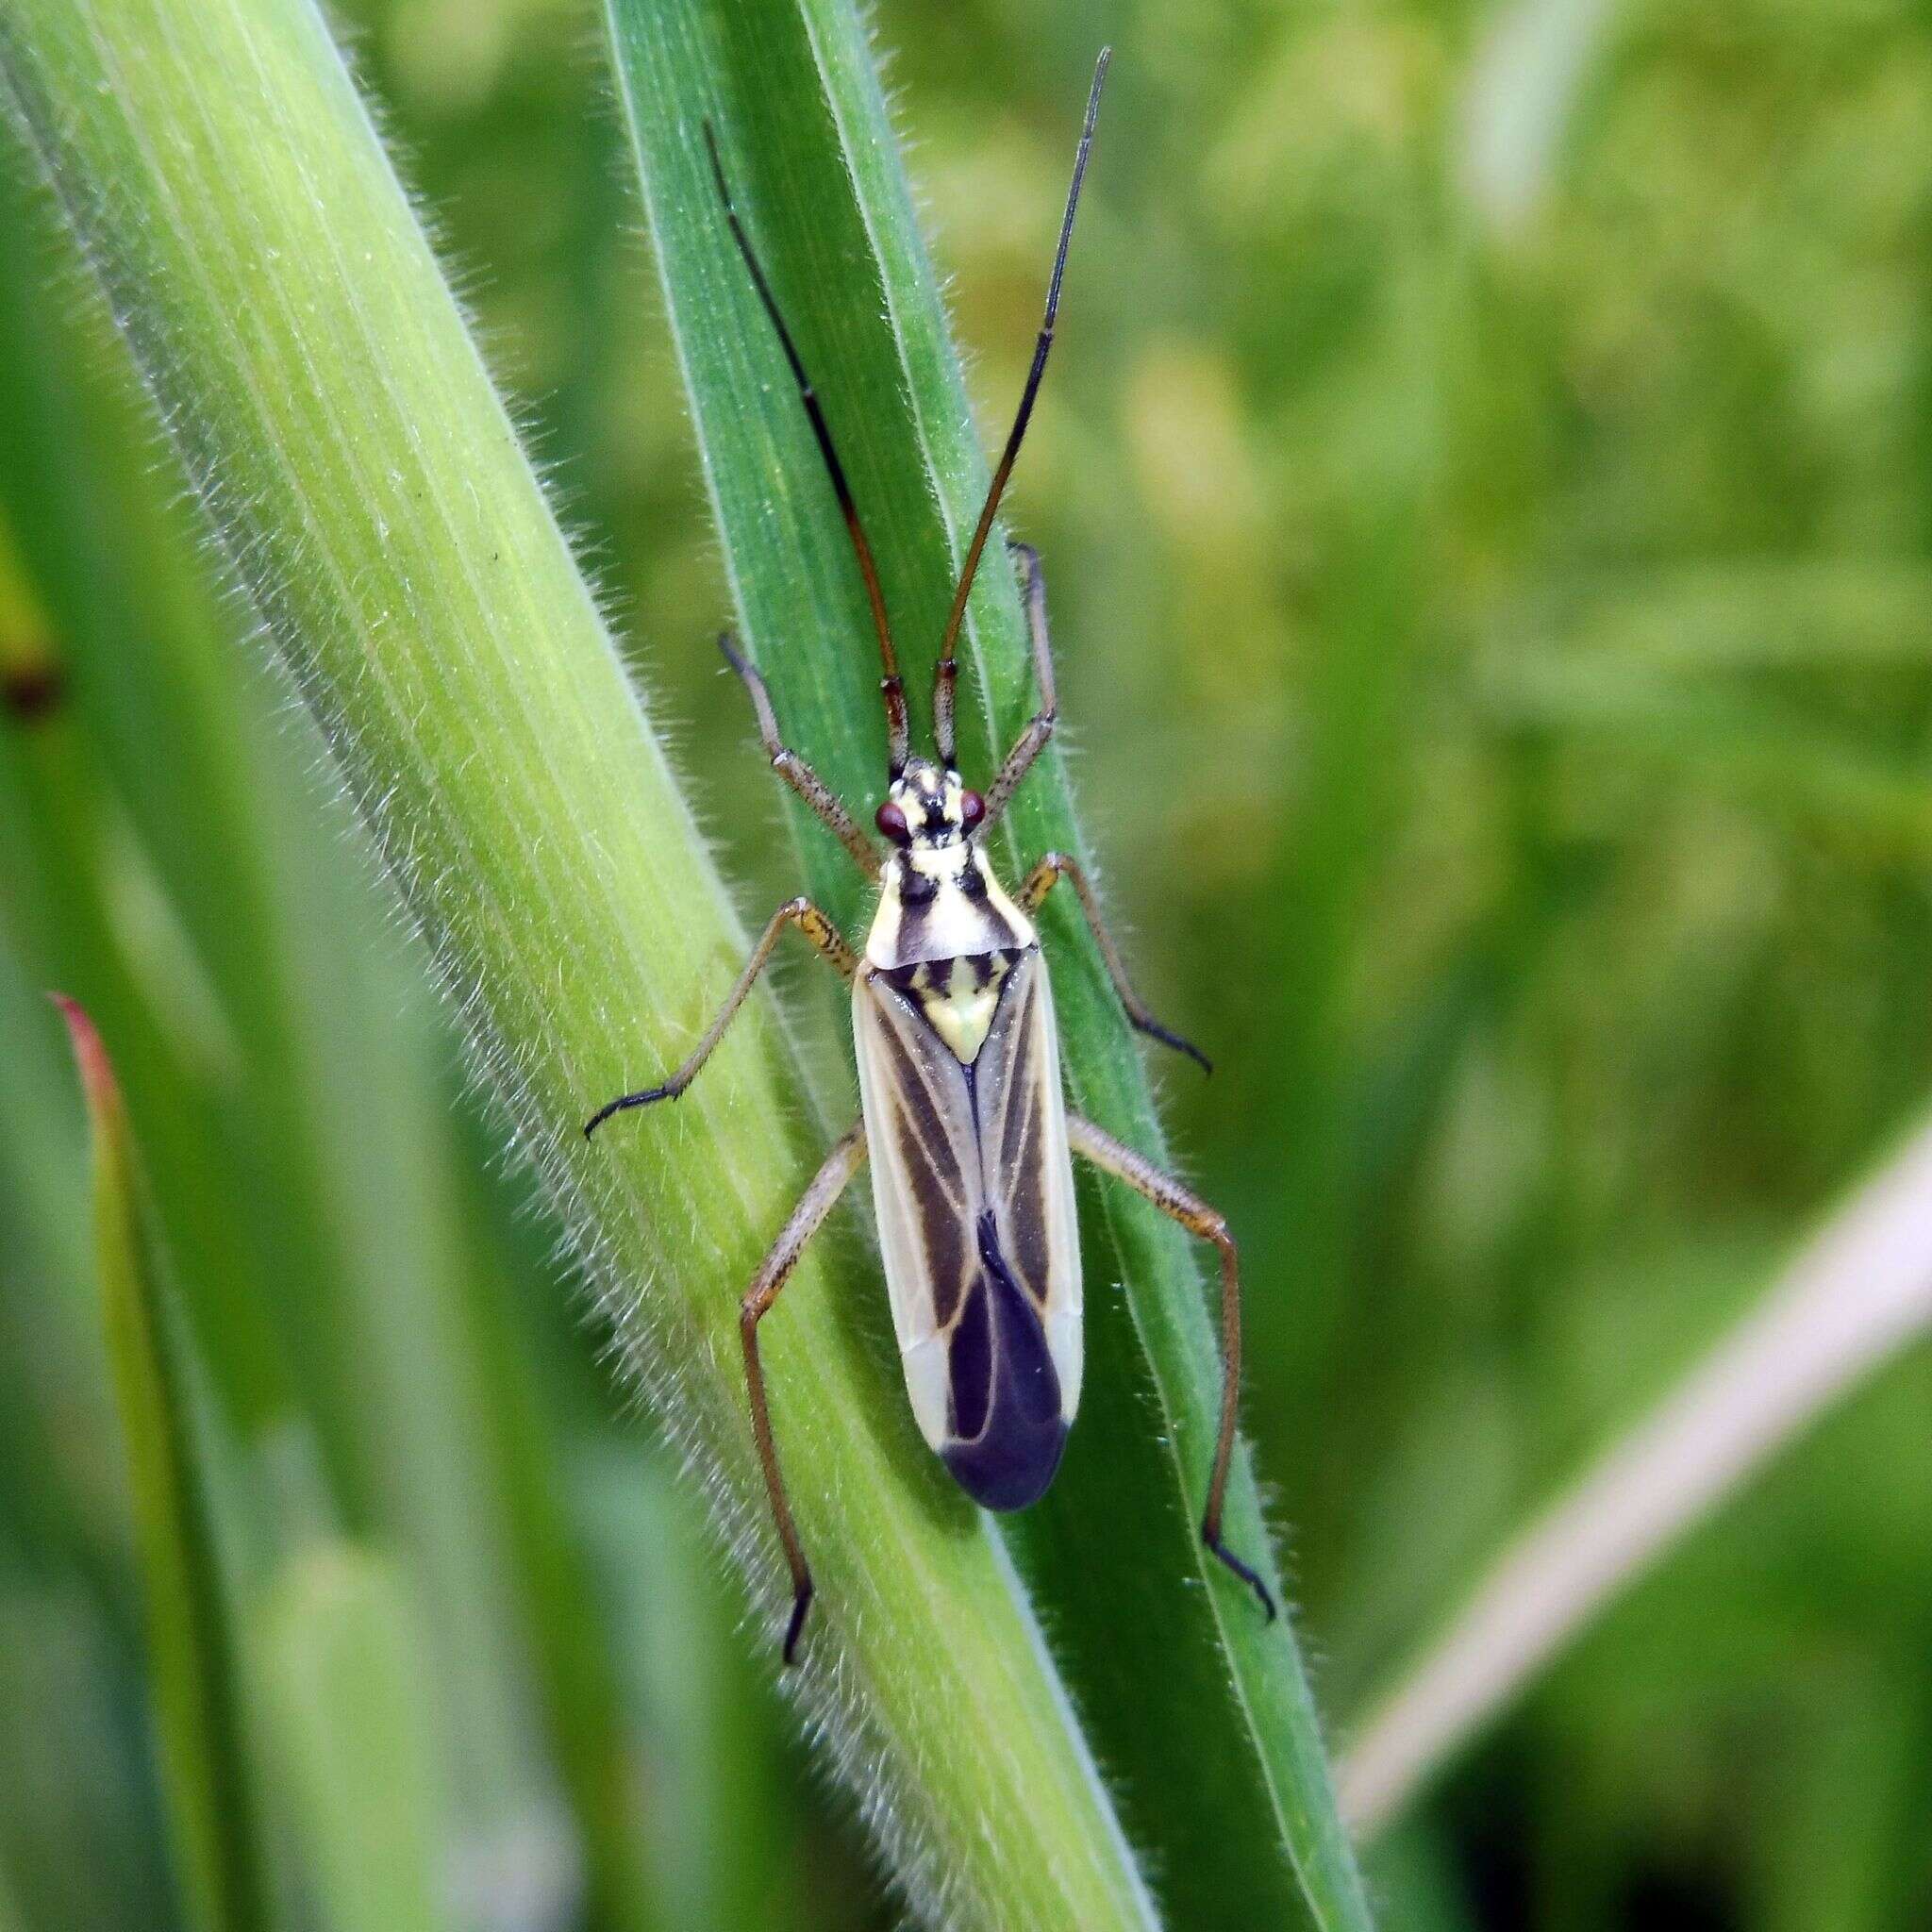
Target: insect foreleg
x=815, y=926
x=813, y=1205
x=1195, y=1215
x=1032, y=741
x=793, y=768
x=1038, y=883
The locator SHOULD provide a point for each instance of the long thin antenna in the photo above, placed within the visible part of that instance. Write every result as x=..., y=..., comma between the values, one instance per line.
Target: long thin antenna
x=947, y=673
x=891, y=687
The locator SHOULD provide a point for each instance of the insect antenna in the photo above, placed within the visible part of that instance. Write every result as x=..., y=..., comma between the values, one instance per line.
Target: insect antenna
x=891, y=687
x=947, y=675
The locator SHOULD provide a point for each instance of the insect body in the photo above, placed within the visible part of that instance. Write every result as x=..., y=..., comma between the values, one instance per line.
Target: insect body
x=958, y=1060
x=958, y=1072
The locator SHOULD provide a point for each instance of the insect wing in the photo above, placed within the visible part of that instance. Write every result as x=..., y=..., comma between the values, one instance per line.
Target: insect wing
x=973, y=1185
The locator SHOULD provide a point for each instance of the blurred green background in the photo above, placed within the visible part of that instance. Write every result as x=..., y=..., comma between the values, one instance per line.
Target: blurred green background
x=1486, y=490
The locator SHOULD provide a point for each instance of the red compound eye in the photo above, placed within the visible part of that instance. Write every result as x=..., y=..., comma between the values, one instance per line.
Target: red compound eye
x=892, y=822
x=972, y=809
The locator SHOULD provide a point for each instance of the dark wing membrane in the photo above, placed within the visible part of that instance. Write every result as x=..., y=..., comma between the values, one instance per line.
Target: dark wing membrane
x=973, y=1185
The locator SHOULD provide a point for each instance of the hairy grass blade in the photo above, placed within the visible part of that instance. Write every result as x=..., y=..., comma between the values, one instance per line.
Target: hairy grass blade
x=1200, y=1710
x=365, y=483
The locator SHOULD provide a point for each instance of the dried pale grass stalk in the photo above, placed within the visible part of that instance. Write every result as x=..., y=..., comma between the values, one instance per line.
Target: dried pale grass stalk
x=1860, y=1291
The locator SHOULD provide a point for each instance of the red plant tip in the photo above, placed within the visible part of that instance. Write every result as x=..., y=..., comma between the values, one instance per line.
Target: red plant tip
x=90, y=1056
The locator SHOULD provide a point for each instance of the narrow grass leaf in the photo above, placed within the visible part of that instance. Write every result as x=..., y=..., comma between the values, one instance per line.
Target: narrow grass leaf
x=366, y=484
x=1199, y=1708
x=196, y=1660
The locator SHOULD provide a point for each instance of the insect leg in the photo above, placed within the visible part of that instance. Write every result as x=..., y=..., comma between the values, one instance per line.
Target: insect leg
x=793, y=768
x=814, y=925
x=1193, y=1214
x=1032, y=741
x=1038, y=883
x=813, y=1205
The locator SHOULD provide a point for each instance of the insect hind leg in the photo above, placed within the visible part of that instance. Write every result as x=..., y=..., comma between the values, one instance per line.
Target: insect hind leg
x=773, y=1272
x=1193, y=1214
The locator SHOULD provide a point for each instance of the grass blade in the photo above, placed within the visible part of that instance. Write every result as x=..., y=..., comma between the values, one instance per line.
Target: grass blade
x=1200, y=1710
x=334, y=417
x=343, y=1678
x=319, y=1075
x=196, y=1660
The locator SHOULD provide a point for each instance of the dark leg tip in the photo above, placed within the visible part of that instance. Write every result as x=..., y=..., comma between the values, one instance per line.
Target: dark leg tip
x=624, y=1101
x=1212, y=1537
x=801, y=1603
x=1154, y=1030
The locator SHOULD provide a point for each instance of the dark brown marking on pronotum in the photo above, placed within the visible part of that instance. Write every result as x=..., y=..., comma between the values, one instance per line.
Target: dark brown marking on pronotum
x=33, y=690
x=952, y=1019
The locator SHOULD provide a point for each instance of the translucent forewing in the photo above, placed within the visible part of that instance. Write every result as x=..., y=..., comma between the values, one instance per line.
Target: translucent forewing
x=972, y=1184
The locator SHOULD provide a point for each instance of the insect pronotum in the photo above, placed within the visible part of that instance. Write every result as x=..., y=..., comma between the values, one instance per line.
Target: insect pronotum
x=959, y=1059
